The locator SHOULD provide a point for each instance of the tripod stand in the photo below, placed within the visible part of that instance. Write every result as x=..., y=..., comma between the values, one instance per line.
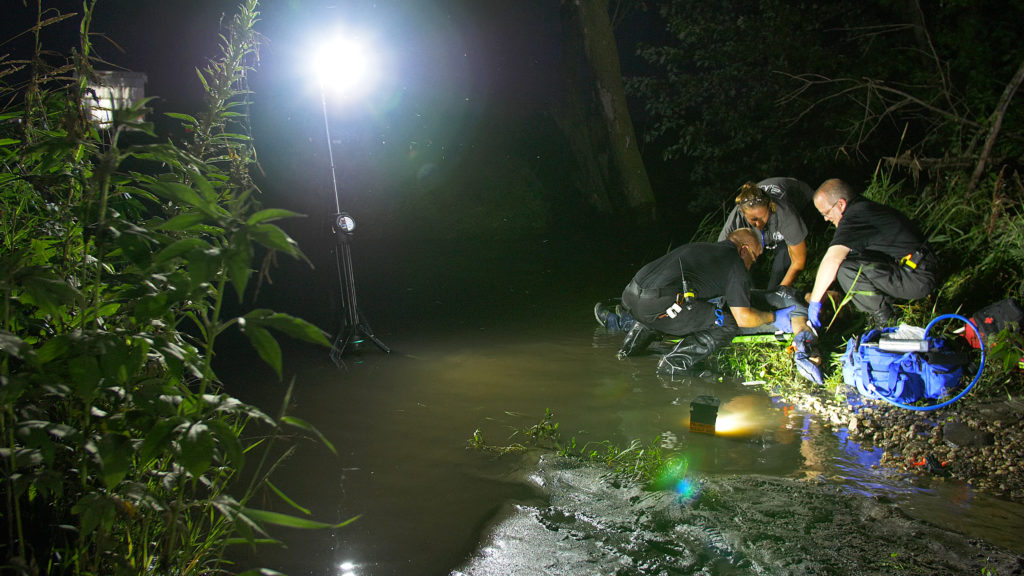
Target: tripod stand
x=353, y=330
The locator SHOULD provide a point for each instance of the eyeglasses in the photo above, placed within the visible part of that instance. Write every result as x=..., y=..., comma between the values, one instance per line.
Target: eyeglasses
x=830, y=209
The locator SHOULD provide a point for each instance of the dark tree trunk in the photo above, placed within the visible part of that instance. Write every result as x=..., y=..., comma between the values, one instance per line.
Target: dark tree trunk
x=595, y=118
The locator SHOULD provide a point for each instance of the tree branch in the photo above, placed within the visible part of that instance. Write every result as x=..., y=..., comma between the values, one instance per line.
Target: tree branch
x=997, y=124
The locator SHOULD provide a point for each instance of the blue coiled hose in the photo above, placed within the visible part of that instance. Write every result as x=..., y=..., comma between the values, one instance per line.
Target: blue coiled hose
x=977, y=374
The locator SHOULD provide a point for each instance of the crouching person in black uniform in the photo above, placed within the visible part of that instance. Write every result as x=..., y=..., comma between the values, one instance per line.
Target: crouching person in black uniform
x=700, y=291
x=876, y=255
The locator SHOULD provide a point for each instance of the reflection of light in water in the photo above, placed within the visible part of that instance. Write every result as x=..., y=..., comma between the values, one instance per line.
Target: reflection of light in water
x=686, y=488
x=856, y=466
x=672, y=475
x=745, y=416
x=347, y=569
x=733, y=424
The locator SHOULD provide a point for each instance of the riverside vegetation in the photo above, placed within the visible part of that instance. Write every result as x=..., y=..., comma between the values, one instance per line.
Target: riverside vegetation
x=979, y=234
x=979, y=439
x=121, y=249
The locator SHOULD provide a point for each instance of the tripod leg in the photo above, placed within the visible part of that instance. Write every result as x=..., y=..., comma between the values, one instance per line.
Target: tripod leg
x=350, y=336
x=341, y=343
x=353, y=330
x=368, y=333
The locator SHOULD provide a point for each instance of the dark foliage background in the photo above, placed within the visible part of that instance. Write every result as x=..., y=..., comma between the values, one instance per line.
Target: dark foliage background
x=740, y=90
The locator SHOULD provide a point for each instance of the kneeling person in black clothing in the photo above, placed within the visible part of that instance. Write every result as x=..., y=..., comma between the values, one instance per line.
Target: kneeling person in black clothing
x=700, y=291
x=877, y=254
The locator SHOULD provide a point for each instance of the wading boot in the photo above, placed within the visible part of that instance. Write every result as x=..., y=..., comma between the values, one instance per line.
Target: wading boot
x=615, y=320
x=602, y=313
x=637, y=340
x=688, y=352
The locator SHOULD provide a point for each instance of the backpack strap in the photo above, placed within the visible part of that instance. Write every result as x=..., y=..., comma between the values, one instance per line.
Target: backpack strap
x=896, y=384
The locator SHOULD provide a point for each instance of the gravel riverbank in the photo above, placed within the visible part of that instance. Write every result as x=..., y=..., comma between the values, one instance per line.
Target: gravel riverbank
x=979, y=441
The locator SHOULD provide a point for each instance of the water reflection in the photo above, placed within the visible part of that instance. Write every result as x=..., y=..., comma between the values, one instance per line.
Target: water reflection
x=746, y=416
x=401, y=424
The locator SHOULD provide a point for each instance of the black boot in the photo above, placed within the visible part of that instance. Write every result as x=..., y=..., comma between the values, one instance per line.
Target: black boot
x=882, y=317
x=688, y=352
x=637, y=340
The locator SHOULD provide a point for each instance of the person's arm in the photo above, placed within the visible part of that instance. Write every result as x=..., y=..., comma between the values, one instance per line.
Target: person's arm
x=732, y=222
x=797, y=261
x=827, y=270
x=751, y=317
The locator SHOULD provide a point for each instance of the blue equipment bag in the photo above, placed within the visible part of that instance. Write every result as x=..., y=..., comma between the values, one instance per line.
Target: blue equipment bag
x=903, y=377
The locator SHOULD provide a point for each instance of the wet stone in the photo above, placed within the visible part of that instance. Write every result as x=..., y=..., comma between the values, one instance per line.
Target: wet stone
x=959, y=434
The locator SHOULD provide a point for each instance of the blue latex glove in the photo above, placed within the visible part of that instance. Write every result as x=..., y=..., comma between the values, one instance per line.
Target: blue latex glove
x=802, y=344
x=808, y=369
x=813, y=313
x=782, y=322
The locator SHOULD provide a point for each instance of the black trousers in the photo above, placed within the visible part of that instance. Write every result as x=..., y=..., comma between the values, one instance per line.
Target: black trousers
x=873, y=283
x=649, y=307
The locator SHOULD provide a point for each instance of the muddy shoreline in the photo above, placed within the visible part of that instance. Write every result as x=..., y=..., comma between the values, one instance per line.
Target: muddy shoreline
x=977, y=440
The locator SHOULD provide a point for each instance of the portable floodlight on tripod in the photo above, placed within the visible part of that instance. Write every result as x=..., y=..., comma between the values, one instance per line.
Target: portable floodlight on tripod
x=353, y=329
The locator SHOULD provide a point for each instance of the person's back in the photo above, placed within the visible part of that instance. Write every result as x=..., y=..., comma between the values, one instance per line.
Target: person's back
x=869, y=227
x=710, y=270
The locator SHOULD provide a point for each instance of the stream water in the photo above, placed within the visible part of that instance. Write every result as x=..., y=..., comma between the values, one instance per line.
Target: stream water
x=775, y=492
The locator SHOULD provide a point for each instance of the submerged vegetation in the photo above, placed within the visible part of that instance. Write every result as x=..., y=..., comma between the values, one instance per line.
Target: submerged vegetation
x=646, y=463
x=120, y=452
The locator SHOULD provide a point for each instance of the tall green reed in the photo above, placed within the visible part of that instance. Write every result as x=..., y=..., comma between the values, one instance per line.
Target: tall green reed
x=120, y=452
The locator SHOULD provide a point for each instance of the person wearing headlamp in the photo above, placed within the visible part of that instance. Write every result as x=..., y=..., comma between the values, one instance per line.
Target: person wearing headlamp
x=772, y=207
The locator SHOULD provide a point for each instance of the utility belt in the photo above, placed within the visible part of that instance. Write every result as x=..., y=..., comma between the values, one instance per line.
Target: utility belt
x=918, y=259
x=682, y=301
x=651, y=293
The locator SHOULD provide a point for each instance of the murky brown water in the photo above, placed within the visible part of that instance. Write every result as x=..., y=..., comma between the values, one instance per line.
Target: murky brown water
x=428, y=505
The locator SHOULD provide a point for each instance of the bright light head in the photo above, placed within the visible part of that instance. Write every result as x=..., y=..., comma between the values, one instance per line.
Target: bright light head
x=345, y=66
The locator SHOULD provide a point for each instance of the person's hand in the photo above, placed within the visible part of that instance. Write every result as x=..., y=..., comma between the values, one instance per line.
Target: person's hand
x=782, y=322
x=813, y=314
x=808, y=369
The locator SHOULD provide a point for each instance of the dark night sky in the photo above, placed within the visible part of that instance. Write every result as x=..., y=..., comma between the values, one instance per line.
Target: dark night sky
x=443, y=55
x=453, y=67
x=464, y=79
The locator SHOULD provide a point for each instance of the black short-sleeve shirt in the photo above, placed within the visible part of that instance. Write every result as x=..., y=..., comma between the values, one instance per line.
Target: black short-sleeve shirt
x=868, y=227
x=711, y=270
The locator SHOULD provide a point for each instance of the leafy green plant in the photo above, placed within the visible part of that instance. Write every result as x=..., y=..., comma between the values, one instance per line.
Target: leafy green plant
x=477, y=442
x=120, y=452
x=543, y=434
